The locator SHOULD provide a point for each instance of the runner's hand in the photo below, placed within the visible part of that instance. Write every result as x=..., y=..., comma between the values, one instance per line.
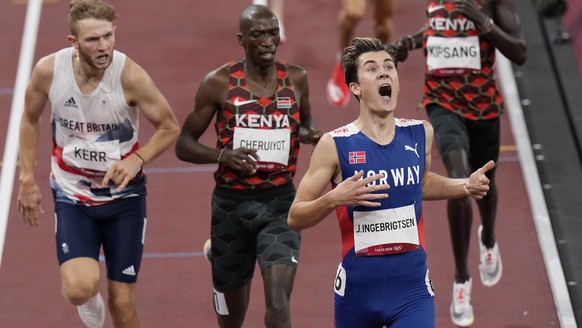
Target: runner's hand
x=477, y=185
x=30, y=203
x=356, y=191
x=242, y=159
x=309, y=136
x=401, y=46
x=469, y=9
x=121, y=172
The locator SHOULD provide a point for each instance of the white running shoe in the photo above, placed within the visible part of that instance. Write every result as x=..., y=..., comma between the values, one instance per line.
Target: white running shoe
x=92, y=313
x=461, y=308
x=206, y=250
x=490, y=266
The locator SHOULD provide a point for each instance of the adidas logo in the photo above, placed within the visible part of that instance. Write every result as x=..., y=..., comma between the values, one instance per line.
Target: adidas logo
x=71, y=103
x=130, y=271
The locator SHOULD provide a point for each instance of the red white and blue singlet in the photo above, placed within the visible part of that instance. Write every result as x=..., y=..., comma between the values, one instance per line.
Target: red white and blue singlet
x=90, y=132
x=383, y=277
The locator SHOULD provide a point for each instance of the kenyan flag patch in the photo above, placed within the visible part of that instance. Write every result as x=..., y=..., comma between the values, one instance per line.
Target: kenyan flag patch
x=283, y=102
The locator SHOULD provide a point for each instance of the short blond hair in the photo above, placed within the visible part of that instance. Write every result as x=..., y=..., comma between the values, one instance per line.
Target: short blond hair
x=83, y=9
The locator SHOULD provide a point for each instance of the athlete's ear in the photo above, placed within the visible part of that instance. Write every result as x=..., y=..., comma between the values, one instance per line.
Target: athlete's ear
x=240, y=40
x=73, y=41
x=355, y=89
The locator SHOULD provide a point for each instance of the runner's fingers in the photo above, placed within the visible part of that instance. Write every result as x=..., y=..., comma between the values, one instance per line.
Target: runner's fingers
x=123, y=184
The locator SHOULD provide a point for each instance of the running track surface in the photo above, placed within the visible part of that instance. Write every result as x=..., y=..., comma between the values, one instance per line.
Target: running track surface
x=178, y=42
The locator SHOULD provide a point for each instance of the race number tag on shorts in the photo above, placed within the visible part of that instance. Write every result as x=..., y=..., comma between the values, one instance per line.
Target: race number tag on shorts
x=98, y=156
x=453, y=56
x=384, y=232
x=272, y=146
x=339, y=284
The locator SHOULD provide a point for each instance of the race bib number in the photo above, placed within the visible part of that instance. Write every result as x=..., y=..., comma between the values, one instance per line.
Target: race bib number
x=272, y=146
x=339, y=285
x=97, y=156
x=453, y=56
x=383, y=232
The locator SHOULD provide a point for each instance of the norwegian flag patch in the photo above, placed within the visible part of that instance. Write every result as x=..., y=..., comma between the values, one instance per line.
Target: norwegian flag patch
x=357, y=157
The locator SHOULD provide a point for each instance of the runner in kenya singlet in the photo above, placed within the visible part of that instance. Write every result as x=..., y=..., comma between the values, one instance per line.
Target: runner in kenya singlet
x=459, y=65
x=270, y=125
x=383, y=272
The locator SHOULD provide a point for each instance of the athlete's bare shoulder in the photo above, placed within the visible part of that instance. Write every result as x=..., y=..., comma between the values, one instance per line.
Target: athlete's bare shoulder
x=297, y=74
x=218, y=76
x=295, y=69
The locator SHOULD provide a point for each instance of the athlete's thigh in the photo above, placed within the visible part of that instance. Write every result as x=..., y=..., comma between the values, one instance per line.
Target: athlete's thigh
x=355, y=8
x=356, y=295
x=233, y=246
x=277, y=243
x=77, y=233
x=124, y=228
x=450, y=132
x=278, y=280
x=419, y=314
x=382, y=9
x=122, y=293
x=485, y=142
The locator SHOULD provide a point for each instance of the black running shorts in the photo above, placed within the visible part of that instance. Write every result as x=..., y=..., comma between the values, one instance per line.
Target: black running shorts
x=249, y=226
x=480, y=139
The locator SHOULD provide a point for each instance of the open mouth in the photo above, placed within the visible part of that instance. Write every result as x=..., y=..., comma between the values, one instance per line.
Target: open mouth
x=102, y=59
x=385, y=91
x=267, y=55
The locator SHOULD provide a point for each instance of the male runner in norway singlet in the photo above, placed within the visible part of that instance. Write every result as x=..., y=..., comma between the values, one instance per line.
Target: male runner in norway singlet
x=379, y=167
x=383, y=245
x=262, y=114
x=97, y=95
x=460, y=39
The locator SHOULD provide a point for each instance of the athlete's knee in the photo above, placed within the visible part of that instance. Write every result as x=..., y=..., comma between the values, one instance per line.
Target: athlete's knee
x=456, y=163
x=277, y=314
x=78, y=293
x=352, y=15
x=77, y=290
x=79, y=279
x=230, y=321
x=383, y=30
x=123, y=309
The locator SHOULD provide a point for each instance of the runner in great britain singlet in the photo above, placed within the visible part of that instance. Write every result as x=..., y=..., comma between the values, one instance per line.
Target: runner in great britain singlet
x=90, y=132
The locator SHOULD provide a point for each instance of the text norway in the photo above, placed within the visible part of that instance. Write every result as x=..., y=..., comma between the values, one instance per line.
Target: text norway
x=401, y=176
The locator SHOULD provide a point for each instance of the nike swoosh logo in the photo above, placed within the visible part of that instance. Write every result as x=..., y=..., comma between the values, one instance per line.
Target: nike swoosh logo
x=238, y=102
x=293, y=260
x=435, y=8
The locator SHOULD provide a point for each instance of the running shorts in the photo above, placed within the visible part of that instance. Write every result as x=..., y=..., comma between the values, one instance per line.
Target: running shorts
x=118, y=226
x=250, y=226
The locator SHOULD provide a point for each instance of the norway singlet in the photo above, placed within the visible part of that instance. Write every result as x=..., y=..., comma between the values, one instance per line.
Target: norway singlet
x=383, y=274
x=270, y=125
x=459, y=64
x=90, y=132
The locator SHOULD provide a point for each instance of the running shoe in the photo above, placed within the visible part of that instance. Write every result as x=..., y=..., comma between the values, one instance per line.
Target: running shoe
x=338, y=93
x=461, y=308
x=490, y=266
x=92, y=313
x=206, y=250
